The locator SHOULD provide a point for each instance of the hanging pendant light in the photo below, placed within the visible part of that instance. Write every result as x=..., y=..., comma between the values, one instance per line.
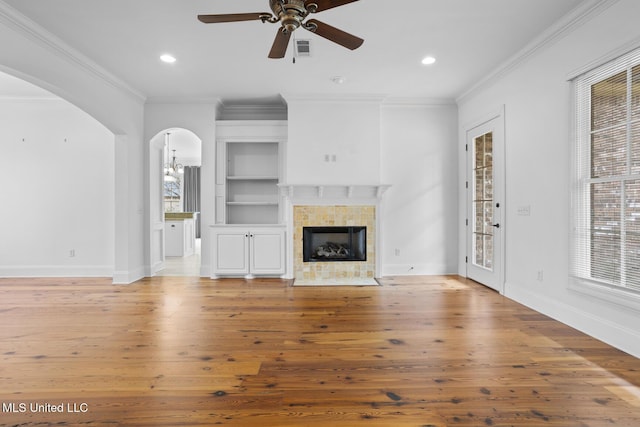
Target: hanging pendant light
x=173, y=169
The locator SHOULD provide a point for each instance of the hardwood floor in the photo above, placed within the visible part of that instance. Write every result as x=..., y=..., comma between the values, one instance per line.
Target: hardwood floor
x=420, y=351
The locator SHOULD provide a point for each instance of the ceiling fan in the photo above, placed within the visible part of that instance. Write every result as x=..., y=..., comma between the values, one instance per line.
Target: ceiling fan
x=291, y=15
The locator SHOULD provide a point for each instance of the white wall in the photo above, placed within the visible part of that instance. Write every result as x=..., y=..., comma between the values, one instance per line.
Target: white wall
x=412, y=147
x=419, y=215
x=31, y=53
x=538, y=110
x=57, y=192
x=346, y=128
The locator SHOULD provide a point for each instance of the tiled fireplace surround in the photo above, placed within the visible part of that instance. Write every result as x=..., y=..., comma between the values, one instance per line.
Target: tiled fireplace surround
x=313, y=216
x=334, y=205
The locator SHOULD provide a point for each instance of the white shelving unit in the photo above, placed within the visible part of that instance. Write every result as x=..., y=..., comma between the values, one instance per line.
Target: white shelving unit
x=249, y=171
x=252, y=183
x=248, y=238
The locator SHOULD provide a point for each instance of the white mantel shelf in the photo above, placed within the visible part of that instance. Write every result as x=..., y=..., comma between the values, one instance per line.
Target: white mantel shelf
x=333, y=192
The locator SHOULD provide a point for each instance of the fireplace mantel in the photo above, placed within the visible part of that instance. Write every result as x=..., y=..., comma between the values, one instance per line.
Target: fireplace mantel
x=333, y=193
x=335, y=205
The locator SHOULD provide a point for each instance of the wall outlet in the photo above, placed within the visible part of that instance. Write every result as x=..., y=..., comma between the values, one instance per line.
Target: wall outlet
x=72, y=253
x=397, y=252
x=540, y=276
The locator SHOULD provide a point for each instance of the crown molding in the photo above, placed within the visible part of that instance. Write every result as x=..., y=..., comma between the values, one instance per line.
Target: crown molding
x=30, y=99
x=418, y=102
x=333, y=98
x=556, y=31
x=52, y=43
x=610, y=56
x=203, y=100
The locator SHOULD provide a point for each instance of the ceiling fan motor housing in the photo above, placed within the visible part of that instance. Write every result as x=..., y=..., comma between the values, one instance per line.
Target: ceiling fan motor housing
x=290, y=12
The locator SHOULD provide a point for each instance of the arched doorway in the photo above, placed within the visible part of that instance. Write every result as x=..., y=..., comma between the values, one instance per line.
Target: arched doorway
x=175, y=158
x=60, y=188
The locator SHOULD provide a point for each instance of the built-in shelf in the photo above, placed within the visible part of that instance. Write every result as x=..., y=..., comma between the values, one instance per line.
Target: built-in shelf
x=247, y=186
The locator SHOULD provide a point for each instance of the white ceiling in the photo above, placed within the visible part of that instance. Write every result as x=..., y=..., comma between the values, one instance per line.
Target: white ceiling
x=470, y=38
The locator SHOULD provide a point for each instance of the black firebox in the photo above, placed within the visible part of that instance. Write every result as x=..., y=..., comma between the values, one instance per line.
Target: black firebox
x=326, y=244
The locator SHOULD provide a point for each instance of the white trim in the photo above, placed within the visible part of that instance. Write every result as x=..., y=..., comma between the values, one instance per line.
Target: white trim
x=605, y=59
x=332, y=98
x=56, y=271
x=614, y=294
x=415, y=270
x=559, y=29
x=614, y=334
x=333, y=194
x=127, y=277
x=418, y=102
x=199, y=100
x=52, y=43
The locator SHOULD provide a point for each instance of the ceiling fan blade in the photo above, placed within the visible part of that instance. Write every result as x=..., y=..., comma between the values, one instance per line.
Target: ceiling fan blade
x=279, y=48
x=233, y=17
x=328, y=4
x=334, y=34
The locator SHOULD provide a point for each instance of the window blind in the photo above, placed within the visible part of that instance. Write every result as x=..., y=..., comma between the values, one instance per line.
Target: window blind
x=606, y=179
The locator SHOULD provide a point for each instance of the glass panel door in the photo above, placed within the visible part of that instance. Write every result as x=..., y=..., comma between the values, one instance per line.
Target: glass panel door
x=483, y=214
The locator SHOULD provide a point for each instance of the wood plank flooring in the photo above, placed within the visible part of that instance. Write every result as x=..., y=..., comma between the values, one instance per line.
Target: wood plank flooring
x=419, y=351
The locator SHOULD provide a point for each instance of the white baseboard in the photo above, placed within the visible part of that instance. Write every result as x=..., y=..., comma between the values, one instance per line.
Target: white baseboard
x=414, y=270
x=56, y=271
x=127, y=277
x=205, y=271
x=614, y=334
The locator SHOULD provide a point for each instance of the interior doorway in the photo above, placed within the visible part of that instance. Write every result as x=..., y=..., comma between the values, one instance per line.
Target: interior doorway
x=175, y=161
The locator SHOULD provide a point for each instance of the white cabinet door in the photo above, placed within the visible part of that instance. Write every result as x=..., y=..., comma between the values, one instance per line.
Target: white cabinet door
x=231, y=252
x=174, y=238
x=267, y=252
x=258, y=251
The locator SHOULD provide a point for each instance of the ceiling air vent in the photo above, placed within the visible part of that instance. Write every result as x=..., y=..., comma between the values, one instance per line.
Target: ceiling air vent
x=303, y=47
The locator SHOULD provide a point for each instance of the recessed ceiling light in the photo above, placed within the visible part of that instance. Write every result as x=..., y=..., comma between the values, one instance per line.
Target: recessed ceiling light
x=428, y=60
x=167, y=58
x=338, y=80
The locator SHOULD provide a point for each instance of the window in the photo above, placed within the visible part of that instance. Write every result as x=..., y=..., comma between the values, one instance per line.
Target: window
x=172, y=196
x=606, y=186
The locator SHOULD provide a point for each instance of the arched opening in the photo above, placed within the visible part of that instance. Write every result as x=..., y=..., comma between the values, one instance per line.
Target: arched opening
x=58, y=216
x=175, y=158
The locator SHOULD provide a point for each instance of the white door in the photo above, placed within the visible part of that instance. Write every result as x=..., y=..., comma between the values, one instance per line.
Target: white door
x=267, y=252
x=485, y=203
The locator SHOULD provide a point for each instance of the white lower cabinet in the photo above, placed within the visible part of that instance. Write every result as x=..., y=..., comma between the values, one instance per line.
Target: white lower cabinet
x=248, y=251
x=180, y=237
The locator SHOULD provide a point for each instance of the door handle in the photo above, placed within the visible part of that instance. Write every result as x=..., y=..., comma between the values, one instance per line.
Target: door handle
x=496, y=225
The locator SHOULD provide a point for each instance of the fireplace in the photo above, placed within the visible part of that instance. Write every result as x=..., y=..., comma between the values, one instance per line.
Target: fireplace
x=326, y=244
x=329, y=216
